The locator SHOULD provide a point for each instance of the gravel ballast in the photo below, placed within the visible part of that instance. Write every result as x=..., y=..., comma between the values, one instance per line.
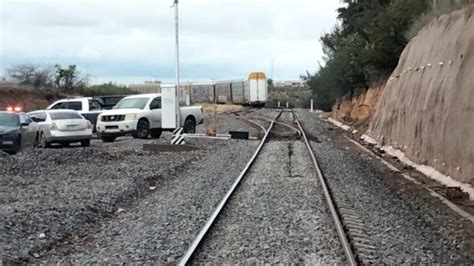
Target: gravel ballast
x=404, y=221
x=228, y=122
x=277, y=215
x=49, y=195
x=56, y=198
x=115, y=203
x=162, y=226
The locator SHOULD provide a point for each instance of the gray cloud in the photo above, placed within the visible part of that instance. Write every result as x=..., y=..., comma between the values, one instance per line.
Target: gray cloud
x=223, y=37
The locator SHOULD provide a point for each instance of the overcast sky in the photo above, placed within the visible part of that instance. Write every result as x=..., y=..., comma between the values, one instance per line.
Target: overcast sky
x=128, y=41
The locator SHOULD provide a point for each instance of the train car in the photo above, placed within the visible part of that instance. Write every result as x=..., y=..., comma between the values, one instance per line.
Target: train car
x=223, y=92
x=238, y=94
x=251, y=91
x=202, y=92
x=184, y=92
x=146, y=88
x=258, y=88
x=247, y=92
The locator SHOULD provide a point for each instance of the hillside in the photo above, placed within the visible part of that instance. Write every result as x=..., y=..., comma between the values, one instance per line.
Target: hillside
x=26, y=97
x=427, y=107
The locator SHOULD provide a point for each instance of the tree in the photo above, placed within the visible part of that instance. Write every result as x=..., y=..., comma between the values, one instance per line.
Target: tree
x=364, y=48
x=29, y=74
x=270, y=82
x=67, y=79
x=104, y=89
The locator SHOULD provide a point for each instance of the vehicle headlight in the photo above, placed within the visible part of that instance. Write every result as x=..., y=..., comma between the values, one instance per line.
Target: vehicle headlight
x=130, y=116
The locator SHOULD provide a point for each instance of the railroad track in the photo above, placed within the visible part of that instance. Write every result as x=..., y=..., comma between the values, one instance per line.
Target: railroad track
x=295, y=129
x=256, y=120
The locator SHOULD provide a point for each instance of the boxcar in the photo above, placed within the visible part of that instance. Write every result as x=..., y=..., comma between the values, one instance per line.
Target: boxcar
x=184, y=92
x=251, y=91
x=257, y=84
x=223, y=92
x=202, y=92
x=146, y=88
x=238, y=93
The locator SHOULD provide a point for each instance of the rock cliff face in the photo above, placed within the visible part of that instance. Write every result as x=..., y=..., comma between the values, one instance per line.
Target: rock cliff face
x=427, y=107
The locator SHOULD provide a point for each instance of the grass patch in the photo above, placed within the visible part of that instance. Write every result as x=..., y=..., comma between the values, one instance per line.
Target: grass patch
x=361, y=123
x=221, y=108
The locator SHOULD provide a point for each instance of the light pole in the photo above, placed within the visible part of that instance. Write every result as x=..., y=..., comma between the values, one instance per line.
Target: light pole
x=178, y=115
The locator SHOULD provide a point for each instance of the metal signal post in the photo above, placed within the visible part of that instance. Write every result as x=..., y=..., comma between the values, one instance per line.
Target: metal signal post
x=178, y=115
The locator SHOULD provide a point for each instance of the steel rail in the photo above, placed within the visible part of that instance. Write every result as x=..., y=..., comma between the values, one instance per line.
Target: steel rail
x=197, y=241
x=254, y=123
x=327, y=194
x=279, y=123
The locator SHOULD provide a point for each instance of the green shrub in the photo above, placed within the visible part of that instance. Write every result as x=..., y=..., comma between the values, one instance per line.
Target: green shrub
x=364, y=48
x=103, y=90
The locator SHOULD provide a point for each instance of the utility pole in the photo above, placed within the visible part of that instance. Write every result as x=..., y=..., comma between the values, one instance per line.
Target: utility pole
x=178, y=114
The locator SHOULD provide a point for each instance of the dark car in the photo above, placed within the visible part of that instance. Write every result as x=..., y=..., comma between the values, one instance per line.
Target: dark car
x=17, y=130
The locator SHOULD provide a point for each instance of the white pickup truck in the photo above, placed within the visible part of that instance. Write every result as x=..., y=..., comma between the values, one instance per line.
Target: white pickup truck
x=140, y=116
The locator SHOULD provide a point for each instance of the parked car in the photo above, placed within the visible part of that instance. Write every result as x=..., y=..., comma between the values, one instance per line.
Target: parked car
x=89, y=107
x=17, y=131
x=61, y=126
x=140, y=116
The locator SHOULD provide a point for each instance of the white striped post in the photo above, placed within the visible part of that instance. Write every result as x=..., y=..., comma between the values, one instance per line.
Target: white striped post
x=177, y=138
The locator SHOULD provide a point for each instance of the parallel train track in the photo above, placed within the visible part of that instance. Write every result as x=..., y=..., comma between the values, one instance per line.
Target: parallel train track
x=297, y=129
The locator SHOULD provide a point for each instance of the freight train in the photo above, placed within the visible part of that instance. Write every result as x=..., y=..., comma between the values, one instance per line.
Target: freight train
x=251, y=91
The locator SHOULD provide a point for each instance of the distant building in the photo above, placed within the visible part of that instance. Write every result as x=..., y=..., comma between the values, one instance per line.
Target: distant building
x=299, y=83
x=289, y=83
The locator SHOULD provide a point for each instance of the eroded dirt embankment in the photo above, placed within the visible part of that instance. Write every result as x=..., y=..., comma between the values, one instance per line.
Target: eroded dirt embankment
x=28, y=98
x=427, y=107
x=359, y=110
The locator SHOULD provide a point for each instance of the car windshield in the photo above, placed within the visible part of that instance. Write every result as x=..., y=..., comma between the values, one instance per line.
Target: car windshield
x=64, y=115
x=128, y=103
x=10, y=120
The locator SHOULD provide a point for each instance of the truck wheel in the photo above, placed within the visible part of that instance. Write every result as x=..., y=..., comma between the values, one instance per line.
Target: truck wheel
x=86, y=143
x=155, y=133
x=107, y=138
x=190, y=126
x=143, y=130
